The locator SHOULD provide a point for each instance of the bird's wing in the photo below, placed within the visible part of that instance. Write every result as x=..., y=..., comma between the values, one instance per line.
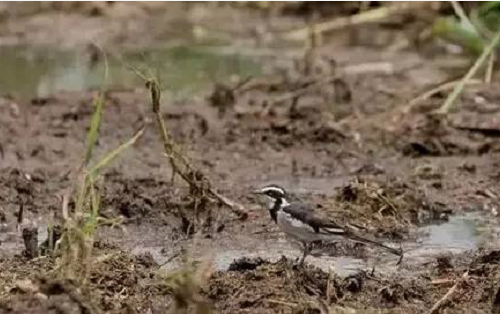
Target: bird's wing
x=307, y=214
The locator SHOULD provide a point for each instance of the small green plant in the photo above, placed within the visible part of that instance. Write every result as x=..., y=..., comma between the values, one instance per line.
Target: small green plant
x=479, y=33
x=450, y=100
x=81, y=222
x=471, y=31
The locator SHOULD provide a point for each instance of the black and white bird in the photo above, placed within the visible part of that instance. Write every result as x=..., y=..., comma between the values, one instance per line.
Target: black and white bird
x=300, y=222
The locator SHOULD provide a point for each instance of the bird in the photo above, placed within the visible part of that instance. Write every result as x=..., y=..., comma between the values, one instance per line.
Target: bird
x=300, y=222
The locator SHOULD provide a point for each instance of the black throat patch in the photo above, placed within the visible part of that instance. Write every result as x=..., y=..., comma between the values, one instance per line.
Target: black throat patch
x=274, y=210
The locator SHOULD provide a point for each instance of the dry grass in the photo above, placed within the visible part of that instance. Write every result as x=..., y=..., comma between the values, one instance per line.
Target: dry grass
x=199, y=184
x=185, y=285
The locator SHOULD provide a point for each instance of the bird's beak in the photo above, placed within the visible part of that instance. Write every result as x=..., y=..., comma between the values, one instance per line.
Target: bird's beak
x=256, y=192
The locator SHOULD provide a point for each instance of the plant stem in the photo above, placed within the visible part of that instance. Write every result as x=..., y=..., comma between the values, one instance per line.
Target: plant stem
x=450, y=101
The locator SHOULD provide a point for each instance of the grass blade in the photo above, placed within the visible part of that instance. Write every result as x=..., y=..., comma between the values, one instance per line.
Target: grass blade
x=110, y=156
x=450, y=101
x=369, y=16
x=464, y=19
x=95, y=121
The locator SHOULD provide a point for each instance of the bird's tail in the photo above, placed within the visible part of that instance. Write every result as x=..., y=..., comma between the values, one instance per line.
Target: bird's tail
x=354, y=237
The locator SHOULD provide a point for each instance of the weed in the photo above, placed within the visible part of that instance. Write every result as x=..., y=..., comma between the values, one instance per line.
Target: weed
x=479, y=33
x=450, y=100
x=200, y=186
x=472, y=31
x=81, y=222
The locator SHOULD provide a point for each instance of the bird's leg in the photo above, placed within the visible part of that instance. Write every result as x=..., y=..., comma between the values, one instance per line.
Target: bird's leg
x=307, y=250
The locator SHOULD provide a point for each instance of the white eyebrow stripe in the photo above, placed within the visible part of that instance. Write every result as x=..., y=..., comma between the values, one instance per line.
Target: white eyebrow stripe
x=273, y=188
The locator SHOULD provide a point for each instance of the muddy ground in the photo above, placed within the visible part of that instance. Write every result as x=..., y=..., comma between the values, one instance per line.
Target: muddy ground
x=338, y=130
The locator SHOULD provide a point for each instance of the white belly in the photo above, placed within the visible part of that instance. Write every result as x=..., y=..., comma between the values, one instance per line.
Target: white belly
x=297, y=229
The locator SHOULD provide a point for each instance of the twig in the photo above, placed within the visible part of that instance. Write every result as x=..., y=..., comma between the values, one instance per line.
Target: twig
x=459, y=11
x=442, y=281
x=171, y=258
x=311, y=46
x=180, y=164
x=331, y=277
x=448, y=294
x=440, y=88
x=460, y=86
x=489, y=70
x=290, y=304
x=383, y=68
x=236, y=207
x=266, y=231
x=388, y=202
x=357, y=19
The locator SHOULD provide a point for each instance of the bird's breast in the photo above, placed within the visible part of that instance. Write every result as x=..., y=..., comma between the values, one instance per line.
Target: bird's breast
x=296, y=228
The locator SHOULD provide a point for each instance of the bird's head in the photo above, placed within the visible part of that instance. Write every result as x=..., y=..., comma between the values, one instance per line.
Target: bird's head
x=273, y=193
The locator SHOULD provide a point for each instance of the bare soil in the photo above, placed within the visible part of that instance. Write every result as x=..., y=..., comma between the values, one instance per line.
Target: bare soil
x=344, y=139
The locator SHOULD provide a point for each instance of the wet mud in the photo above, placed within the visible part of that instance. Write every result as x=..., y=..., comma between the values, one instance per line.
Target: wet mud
x=348, y=139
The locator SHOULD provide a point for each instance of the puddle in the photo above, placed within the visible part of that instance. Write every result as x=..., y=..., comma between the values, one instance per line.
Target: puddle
x=459, y=232
x=462, y=233
x=183, y=70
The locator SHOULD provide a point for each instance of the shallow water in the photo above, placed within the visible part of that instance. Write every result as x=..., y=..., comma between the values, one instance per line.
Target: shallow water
x=462, y=233
x=183, y=70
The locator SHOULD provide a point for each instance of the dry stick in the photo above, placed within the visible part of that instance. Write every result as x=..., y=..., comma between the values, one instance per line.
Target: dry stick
x=383, y=68
x=459, y=11
x=167, y=141
x=489, y=70
x=179, y=162
x=442, y=281
x=358, y=19
x=448, y=294
x=331, y=277
x=440, y=88
x=290, y=304
x=460, y=86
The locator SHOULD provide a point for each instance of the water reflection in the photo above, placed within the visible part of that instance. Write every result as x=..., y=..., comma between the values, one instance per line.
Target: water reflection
x=460, y=232
x=183, y=70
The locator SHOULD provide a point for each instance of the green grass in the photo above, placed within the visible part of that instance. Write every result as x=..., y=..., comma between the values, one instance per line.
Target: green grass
x=451, y=99
x=81, y=222
x=479, y=33
x=472, y=31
